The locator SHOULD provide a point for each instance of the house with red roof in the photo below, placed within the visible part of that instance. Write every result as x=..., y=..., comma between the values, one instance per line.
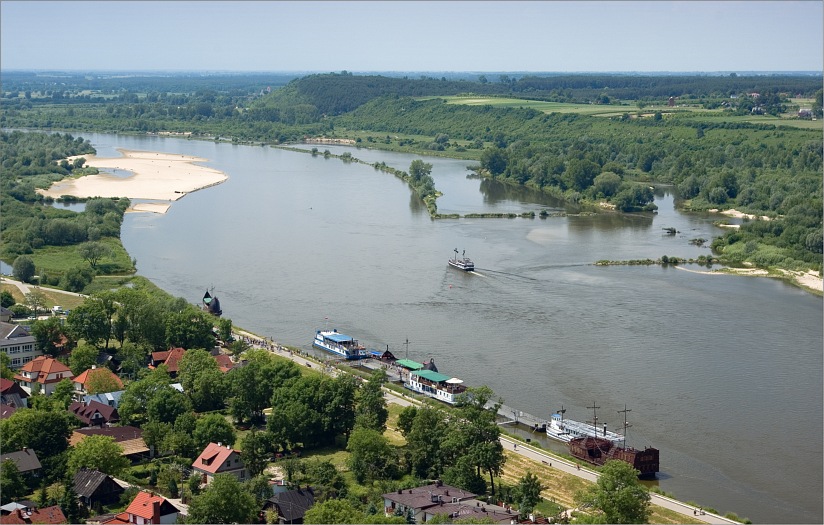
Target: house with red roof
x=171, y=358
x=44, y=371
x=93, y=374
x=144, y=509
x=11, y=394
x=217, y=458
x=224, y=362
x=51, y=514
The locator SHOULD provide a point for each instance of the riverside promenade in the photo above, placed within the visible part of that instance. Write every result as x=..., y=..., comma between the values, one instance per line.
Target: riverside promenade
x=511, y=444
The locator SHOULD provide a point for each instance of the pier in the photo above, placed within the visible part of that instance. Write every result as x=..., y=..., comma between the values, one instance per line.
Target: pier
x=513, y=416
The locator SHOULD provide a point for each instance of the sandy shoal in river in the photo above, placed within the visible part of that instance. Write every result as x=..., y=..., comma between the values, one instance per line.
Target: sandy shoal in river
x=154, y=176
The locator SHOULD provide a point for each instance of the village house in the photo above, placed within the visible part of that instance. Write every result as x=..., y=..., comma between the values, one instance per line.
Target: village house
x=25, y=460
x=427, y=501
x=217, y=458
x=421, y=498
x=146, y=508
x=91, y=375
x=95, y=488
x=94, y=413
x=108, y=398
x=5, y=315
x=291, y=505
x=12, y=395
x=18, y=344
x=171, y=358
x=130, y=439
x=43, y=371
x=48, y=515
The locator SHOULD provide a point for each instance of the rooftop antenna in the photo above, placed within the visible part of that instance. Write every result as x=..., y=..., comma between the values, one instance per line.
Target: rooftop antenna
x=626, y=425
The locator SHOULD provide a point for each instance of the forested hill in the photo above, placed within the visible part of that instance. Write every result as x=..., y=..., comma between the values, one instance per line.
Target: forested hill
x=309, y=98
x=337, y=93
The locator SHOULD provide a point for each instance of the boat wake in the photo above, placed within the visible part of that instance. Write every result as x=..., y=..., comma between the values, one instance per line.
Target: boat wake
x=504, y=273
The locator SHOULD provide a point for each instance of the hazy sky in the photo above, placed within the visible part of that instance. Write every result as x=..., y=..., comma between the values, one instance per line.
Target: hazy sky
x=413, y=36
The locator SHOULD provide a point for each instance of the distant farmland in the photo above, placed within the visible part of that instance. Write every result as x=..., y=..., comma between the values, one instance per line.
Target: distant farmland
x=616, y=110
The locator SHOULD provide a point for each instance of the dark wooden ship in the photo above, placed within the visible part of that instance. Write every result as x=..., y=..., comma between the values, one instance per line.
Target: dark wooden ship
x=599, y=450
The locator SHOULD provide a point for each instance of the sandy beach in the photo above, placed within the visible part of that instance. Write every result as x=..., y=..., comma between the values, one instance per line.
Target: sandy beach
x=162, y=177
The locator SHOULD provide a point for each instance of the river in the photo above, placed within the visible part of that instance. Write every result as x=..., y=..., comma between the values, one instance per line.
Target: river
x=722, y=373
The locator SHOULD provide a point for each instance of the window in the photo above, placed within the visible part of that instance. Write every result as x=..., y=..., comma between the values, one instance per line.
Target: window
x=15, y=361
x=27, y=359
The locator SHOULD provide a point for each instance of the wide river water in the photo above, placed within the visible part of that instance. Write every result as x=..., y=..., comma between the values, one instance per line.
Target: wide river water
x=722, y=373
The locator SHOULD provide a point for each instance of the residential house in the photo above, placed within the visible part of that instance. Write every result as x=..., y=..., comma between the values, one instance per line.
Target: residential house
x=18, y=344
x=43, y=371
x=5, y=315
x=94, y=413
x=171, y=358
x=96, y=488
x=11, y=394
x=291, y=505
x=419, y=499
x=224, y=362
x=146, y=508
x=217, y=458
x=86, y=377
x=109, y=398
x=26, y=461
x=805, y=113
x=129, y=438
x=472, y=510
x=49, y=515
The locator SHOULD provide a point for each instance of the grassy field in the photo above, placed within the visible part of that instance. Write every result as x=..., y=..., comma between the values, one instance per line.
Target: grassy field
x=615, y=110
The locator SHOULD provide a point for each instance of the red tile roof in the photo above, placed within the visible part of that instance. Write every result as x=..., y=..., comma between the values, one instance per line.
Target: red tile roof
x=170, y=358
x=7, y=386
x=142, y=504
x=212, y=457
x=224, y=362
x=41, y=367
x=51, y=515
x=84, y=377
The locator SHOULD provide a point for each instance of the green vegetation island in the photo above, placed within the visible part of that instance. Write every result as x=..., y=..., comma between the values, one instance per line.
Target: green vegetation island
x=752, y=144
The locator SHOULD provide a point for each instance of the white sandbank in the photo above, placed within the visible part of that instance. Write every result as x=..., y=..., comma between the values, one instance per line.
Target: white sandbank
x=154, y=176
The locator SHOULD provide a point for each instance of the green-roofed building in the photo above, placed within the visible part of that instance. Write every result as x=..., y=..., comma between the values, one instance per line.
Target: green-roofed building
x=435, y=385
x=409, y=364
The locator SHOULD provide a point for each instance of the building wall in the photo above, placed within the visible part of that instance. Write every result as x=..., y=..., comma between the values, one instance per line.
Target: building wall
x=20, y=350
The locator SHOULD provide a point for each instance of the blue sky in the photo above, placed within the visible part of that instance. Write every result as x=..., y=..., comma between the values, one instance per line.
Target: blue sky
x=413, y=36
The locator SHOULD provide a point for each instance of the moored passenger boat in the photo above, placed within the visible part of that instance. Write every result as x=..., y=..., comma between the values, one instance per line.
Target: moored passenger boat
x=435, y=385
x=568, y=429
x=339, y=344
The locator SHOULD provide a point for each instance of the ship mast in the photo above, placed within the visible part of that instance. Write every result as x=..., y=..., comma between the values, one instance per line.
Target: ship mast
x=594, y=419
x=626, y=425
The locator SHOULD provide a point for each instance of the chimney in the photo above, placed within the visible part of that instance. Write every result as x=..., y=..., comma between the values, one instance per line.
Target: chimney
x=26, y=450
x=219, y=444
x=155, y=511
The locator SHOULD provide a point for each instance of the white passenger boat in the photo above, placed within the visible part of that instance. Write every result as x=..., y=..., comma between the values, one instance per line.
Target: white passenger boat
x=462, y=263
x=339, y=344
x=435, y=385
x=568, y=429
